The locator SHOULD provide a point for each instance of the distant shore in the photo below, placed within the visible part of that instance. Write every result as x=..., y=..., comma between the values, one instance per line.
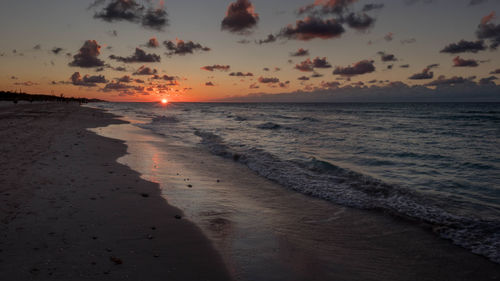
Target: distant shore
x=68, y=211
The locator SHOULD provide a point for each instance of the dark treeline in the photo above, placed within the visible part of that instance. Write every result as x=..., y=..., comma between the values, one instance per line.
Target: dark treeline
x=15, y=97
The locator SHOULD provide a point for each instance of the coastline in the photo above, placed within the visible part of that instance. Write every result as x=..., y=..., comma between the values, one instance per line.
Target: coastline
x=267, y=232
x=71, y=212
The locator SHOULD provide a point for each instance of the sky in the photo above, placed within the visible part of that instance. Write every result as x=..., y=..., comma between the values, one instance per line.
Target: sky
x=251, y=50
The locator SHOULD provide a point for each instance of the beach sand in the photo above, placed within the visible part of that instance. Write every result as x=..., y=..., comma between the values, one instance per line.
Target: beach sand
x=69, y=211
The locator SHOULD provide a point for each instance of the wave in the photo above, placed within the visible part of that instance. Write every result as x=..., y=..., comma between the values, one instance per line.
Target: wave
x=322, y=179
x=165, y=119
x=269, y=126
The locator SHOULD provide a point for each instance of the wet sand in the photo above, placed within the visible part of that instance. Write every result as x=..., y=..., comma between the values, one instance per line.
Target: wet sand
x=265, y=232
x=69, y=211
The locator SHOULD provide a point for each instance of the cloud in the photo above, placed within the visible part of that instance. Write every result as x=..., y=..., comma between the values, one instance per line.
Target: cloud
x=118, y=10
x=476, y=2
x=326, y=7
x=125, y=79
x=361, y=67
x=139, y=56
x=489, y=31
x=425, y=74
x=131, y=11
x=87, y=81
x=404, y=66
x=155, y=19
x=254, y=86
x=240, y=17
x=310, y=65
x=144, y=70
x=300, y=53
x=182, y=48
x=372, y=6
x=459, y=62
x=216, y=67
x=442, y=80
x=311, y=28
x=387, y=57
x=153, y=43
x=164, y=77
x=464, y=46
x=56, y=50
x=408, y=41
x=123, y=88
x=496, y=71
x=87, y=56
x=487, y=80
x=37, y=47
x=209, y=83
x=270, y=38
x=267, y=80
x=359, y=21
x=26, y=83
x=303, y=78
x=241, y=74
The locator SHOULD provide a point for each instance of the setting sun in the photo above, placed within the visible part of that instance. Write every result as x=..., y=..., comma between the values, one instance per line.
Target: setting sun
x=164, y=101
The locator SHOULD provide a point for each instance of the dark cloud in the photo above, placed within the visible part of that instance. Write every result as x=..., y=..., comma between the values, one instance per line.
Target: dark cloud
x=240, y=17
x=87, y=81
x=312, y=27
x=153, y=43
x=241, y=74
x=254, y=86
x=216, y=67
x=139, y=56
x=164, y=77
x=459, y=62
x=310, y=65
x=303, y=78
x=87, y=56
x=338, y=7
x=144, y=70
x=359, y=21
x=496, y=71
x=361, y=67
x=37, y=47
x=489, y=31
x=330, y=85
x=118, y=10
x=411, y=2
x=125, y=79
x=155, y=19
x=300, y=53
x=182, y=48
x=14, y=77
x=408, y=41
x=487, y=80
x=209, y=83
x=26, y=83
x=130, y=10
x=477, y=2
x=266, y=69
x=243, y=41
x=387, y=57
x=120, y=68
x=56, y=50
x=464, y=46
x=372, y=6
x=404, y=66
x=284, y=84
x=270, y=38
x=425, y=74
x=442, y=81
x=316, y=75
x=123, y=88
x=266, y=80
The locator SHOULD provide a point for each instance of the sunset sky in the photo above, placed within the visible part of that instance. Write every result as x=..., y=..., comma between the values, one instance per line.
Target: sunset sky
x=197, y=50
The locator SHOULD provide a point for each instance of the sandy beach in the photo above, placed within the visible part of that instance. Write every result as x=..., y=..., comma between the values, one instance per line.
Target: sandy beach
x=69, y=212
x=78, y=203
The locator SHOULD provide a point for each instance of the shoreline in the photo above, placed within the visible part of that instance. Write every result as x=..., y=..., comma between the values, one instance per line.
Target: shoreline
x=264, y=230
x=70, y=211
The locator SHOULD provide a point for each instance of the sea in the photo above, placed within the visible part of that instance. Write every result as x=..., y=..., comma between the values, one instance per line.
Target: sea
x=432, y=163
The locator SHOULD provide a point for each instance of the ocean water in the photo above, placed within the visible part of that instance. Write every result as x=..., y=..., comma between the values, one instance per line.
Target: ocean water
x=433, y=163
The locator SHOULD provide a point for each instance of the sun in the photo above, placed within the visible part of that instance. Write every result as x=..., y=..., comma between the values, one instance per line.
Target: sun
x=164, y=101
